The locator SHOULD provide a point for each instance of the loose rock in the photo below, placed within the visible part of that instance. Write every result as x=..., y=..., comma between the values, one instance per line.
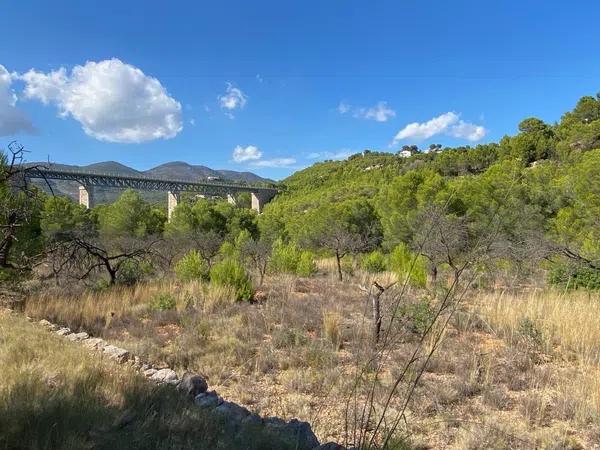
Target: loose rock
x=191, y=385
x=208, y=400
x=149, y=372
x=78, y=336
x=330, y=446
x=48, y=325
x=164, y=376
x=63, y=331
x=120, y=354
x=94, y=343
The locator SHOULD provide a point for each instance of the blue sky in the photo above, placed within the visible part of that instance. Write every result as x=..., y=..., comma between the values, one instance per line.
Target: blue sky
x=274, y=86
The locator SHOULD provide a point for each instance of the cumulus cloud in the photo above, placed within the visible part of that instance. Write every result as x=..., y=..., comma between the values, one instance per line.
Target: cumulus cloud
x=113, y=101
x=252, y=156
x=343, y=108
x=12, y=119
x=243, y=154
x=468, y=131
x=380, y=112
x=233, y=99
x=448, y=123
x=275, y=162
x=340, y=154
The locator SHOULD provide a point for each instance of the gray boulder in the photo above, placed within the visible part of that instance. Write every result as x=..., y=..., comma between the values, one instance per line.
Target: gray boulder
x=330, y=446
x=94, y=343
x=300, y=432
x=164, y=376
x=208, y=400
x=63, y=331
x=48, y=325
x=78, y=336
x=120, y=354
x=191, y=385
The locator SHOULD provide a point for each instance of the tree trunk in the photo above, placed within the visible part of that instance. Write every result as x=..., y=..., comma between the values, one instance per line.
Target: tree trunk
x=113, y=274
x=261, y=271
x=4, y=250
x=376, y=317
x=432, y=276
x=339, y=265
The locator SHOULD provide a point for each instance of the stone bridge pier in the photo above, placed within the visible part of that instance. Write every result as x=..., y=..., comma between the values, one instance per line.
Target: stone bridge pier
x=260, y=199
x=86, y=196
x=172, y=201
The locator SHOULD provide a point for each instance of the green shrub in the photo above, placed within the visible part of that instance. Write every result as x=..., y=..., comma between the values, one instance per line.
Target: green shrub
x=419, y=313
x=230, y=272
x=163, y=302
x=306, y=264
x=374, y=262
x=132, y=272
x=228, y=250
x=348, y=265
x=530, y=331
x=406, y=263
x=285, y=257
x=191, y=267
x=571, y=277
x=101, y=285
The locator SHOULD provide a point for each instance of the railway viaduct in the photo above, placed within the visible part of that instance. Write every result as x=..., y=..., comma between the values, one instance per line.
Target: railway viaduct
x=88, y=181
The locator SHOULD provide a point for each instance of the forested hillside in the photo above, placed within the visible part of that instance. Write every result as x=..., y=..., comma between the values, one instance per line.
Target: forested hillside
x=542, y=184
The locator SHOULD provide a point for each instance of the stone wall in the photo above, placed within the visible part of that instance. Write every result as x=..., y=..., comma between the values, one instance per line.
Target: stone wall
x=195, y=388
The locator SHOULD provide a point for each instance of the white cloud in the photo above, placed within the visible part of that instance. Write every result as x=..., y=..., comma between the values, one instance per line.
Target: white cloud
x=448, y=123
x=113, y=101
x=468, y=131
x=275, y=162
x=340, y=154
x=343, y=108
x=233, y=99
x=12, y=119
x=243, y=154
x=253, y=156
x=380, y=112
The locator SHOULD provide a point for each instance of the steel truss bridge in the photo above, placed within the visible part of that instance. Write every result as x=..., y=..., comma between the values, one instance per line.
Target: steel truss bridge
x=88, y=180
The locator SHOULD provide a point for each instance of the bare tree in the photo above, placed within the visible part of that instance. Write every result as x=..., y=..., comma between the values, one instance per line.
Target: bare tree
x=16, y=198
x=374, y=294
x=258, y=253
x=83, y=255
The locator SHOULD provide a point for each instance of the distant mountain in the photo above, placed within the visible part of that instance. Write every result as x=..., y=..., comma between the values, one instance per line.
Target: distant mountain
x=183, y=170
x=176, y=170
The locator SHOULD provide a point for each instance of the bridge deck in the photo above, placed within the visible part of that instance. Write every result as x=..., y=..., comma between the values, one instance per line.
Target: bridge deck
x=148, y=183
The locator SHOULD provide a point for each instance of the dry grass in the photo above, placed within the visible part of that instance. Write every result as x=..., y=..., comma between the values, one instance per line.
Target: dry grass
x=512, y=371
x=55, y=394
x=568, y=325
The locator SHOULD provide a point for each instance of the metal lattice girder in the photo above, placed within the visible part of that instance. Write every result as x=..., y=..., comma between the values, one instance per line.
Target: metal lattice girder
x=213, y=188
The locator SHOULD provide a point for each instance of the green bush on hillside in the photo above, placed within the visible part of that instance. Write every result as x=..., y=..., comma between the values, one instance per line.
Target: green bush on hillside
x=306, y=264
x=230, y=272
x=285, y=257
x=132, y=272
x=163, y=302
x=191, y=267
x=406, y=263
x=575, y=277
x=374, y=262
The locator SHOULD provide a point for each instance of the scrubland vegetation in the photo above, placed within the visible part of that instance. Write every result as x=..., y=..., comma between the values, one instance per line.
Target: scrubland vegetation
x=445, y=300
x=56, y=395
